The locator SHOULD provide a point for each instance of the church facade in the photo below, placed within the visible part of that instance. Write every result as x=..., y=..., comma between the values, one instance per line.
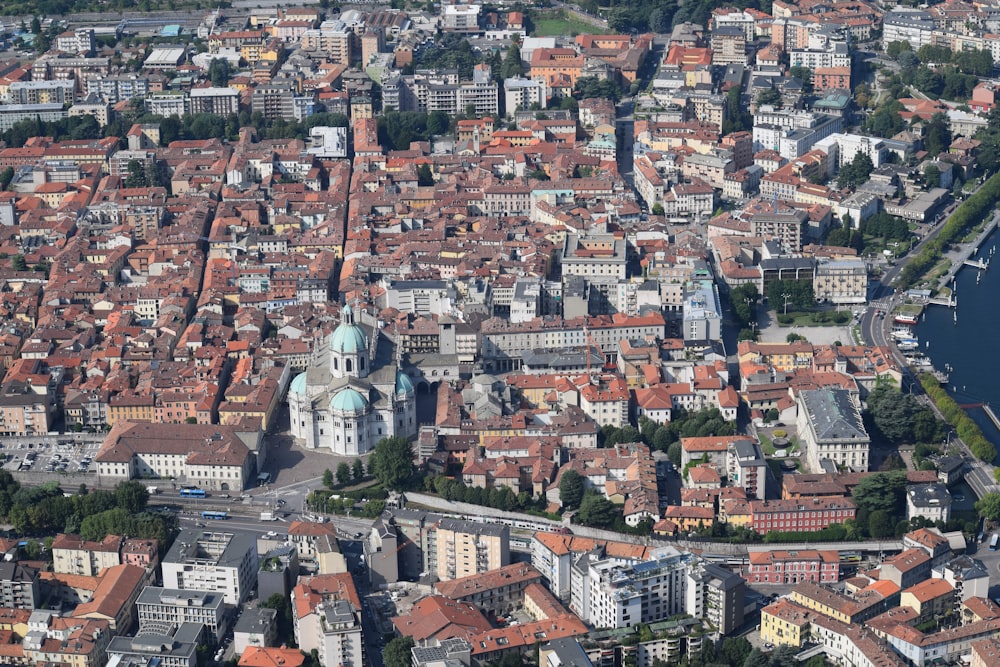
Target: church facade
x=353, y=394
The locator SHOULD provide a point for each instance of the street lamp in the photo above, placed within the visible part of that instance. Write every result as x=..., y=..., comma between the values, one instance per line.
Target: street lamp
x=786, y=297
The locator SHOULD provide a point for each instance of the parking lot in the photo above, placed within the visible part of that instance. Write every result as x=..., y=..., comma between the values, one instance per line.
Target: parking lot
x=55, y=455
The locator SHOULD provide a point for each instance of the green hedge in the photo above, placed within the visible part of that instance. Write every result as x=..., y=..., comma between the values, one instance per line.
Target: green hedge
x=973, y=211
x=967, y=429
x=833, y=533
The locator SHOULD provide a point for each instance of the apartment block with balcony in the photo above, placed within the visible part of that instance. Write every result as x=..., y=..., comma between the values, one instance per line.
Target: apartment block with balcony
x=223, y=562
x=457, y=549
x=73, y=555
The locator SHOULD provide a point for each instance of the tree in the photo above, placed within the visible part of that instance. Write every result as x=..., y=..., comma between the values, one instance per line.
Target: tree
x=880, y=524
x=392, y=462
x=856, y=171
x=932, y=176
x=6, y=176
x=769, y=96
x=989, y=506
x=587, y=87
x=937, y=135
x=734, y=650
x=18, y=264
x=805, y=74
x=881, y=491
x=757, y=658
x=657, y=208
x=511, y=67
x=596, y=511
x=132, y=496
x=219, y=72
x=285, y=620
x=397, y=652
x=424, y=175
x=357, y=469
x=343, y=473
x=571, y=489
x=674, y=453
x=328, y=478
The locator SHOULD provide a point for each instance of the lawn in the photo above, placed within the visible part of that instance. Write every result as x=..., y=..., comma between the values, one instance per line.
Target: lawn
x=558, y=23
x=819, y=318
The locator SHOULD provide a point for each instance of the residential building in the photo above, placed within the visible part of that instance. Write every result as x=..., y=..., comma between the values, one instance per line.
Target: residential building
x=930, y=501
x=255, y=629
x=218, y=101
x=497, y=592
x=716, y=595
x=746, y=468
x=841, y=282
x=222, y=562
x=73, y=555
x=19, y=586
x=460, y=549
x=522, y=94
x=327, y=615
x=791, y=567
x=806, y=515
x=831, y=428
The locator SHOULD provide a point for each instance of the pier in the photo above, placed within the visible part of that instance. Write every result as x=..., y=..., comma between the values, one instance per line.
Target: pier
x=965, y=259
x=992, y=415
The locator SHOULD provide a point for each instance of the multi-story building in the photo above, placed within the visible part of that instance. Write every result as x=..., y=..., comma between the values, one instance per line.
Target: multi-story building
x=218, y=101
x=496, y=592
x=701, y=312
x=274, y=100
x=911, y=26
x=157, y=608
x=841, y=282
x=520, y=94
x=460, y=18
x=929, y=501
x=19, y=586
x=73, y=555
x=854, y=609
x=203, y=455
x=746, y=468
x=553, y=555
x=458, y=549
x=792, y=567
x=334, y=39
x=831, y=428
x=170, y=103
x=480, y=94
x=223, y=562
x=41, y=92
x=23, y=410
x=76, y=41
x=715, y=595
x=805, y=515
x=327, y=618
x=729, y=45
x=597, y=257
x=171, y=646
x=55, y=639
x=116, y=88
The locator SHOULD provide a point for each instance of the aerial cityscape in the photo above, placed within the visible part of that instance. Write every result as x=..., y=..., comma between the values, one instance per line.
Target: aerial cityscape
x=496, y=335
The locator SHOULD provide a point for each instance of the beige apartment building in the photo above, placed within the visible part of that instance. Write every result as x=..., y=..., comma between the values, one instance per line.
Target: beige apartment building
x=464, y=548
x=73, y=555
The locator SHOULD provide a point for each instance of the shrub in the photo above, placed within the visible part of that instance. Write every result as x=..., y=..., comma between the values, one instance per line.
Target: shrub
x=778, y=433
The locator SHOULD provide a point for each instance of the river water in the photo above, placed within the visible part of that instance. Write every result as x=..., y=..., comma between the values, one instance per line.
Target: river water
x=967, y=344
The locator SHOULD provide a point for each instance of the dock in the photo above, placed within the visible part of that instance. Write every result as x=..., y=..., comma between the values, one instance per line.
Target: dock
x=965, y=259
x=992, y=415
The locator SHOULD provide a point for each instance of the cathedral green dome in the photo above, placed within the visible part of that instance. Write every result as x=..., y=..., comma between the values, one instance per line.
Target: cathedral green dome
x=349, y=400
x=298, y=385
x=348, y=338
x=404, y=385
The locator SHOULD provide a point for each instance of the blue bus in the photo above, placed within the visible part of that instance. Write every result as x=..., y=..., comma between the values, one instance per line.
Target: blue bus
x=192, y=492
x=214, y=515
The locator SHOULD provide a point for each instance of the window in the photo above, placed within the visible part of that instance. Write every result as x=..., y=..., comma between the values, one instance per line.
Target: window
x=348, y=366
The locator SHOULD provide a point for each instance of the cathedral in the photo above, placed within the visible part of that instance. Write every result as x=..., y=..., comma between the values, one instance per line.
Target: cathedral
x=353, y=394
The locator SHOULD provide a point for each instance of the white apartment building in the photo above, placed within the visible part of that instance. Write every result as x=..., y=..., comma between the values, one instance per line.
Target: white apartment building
x=522, y=93
x=333, y=629
x=218, y=101
x=223, y=562
x=843, y=148
x=914, y=26
x=620, y=596
x=831, y=428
